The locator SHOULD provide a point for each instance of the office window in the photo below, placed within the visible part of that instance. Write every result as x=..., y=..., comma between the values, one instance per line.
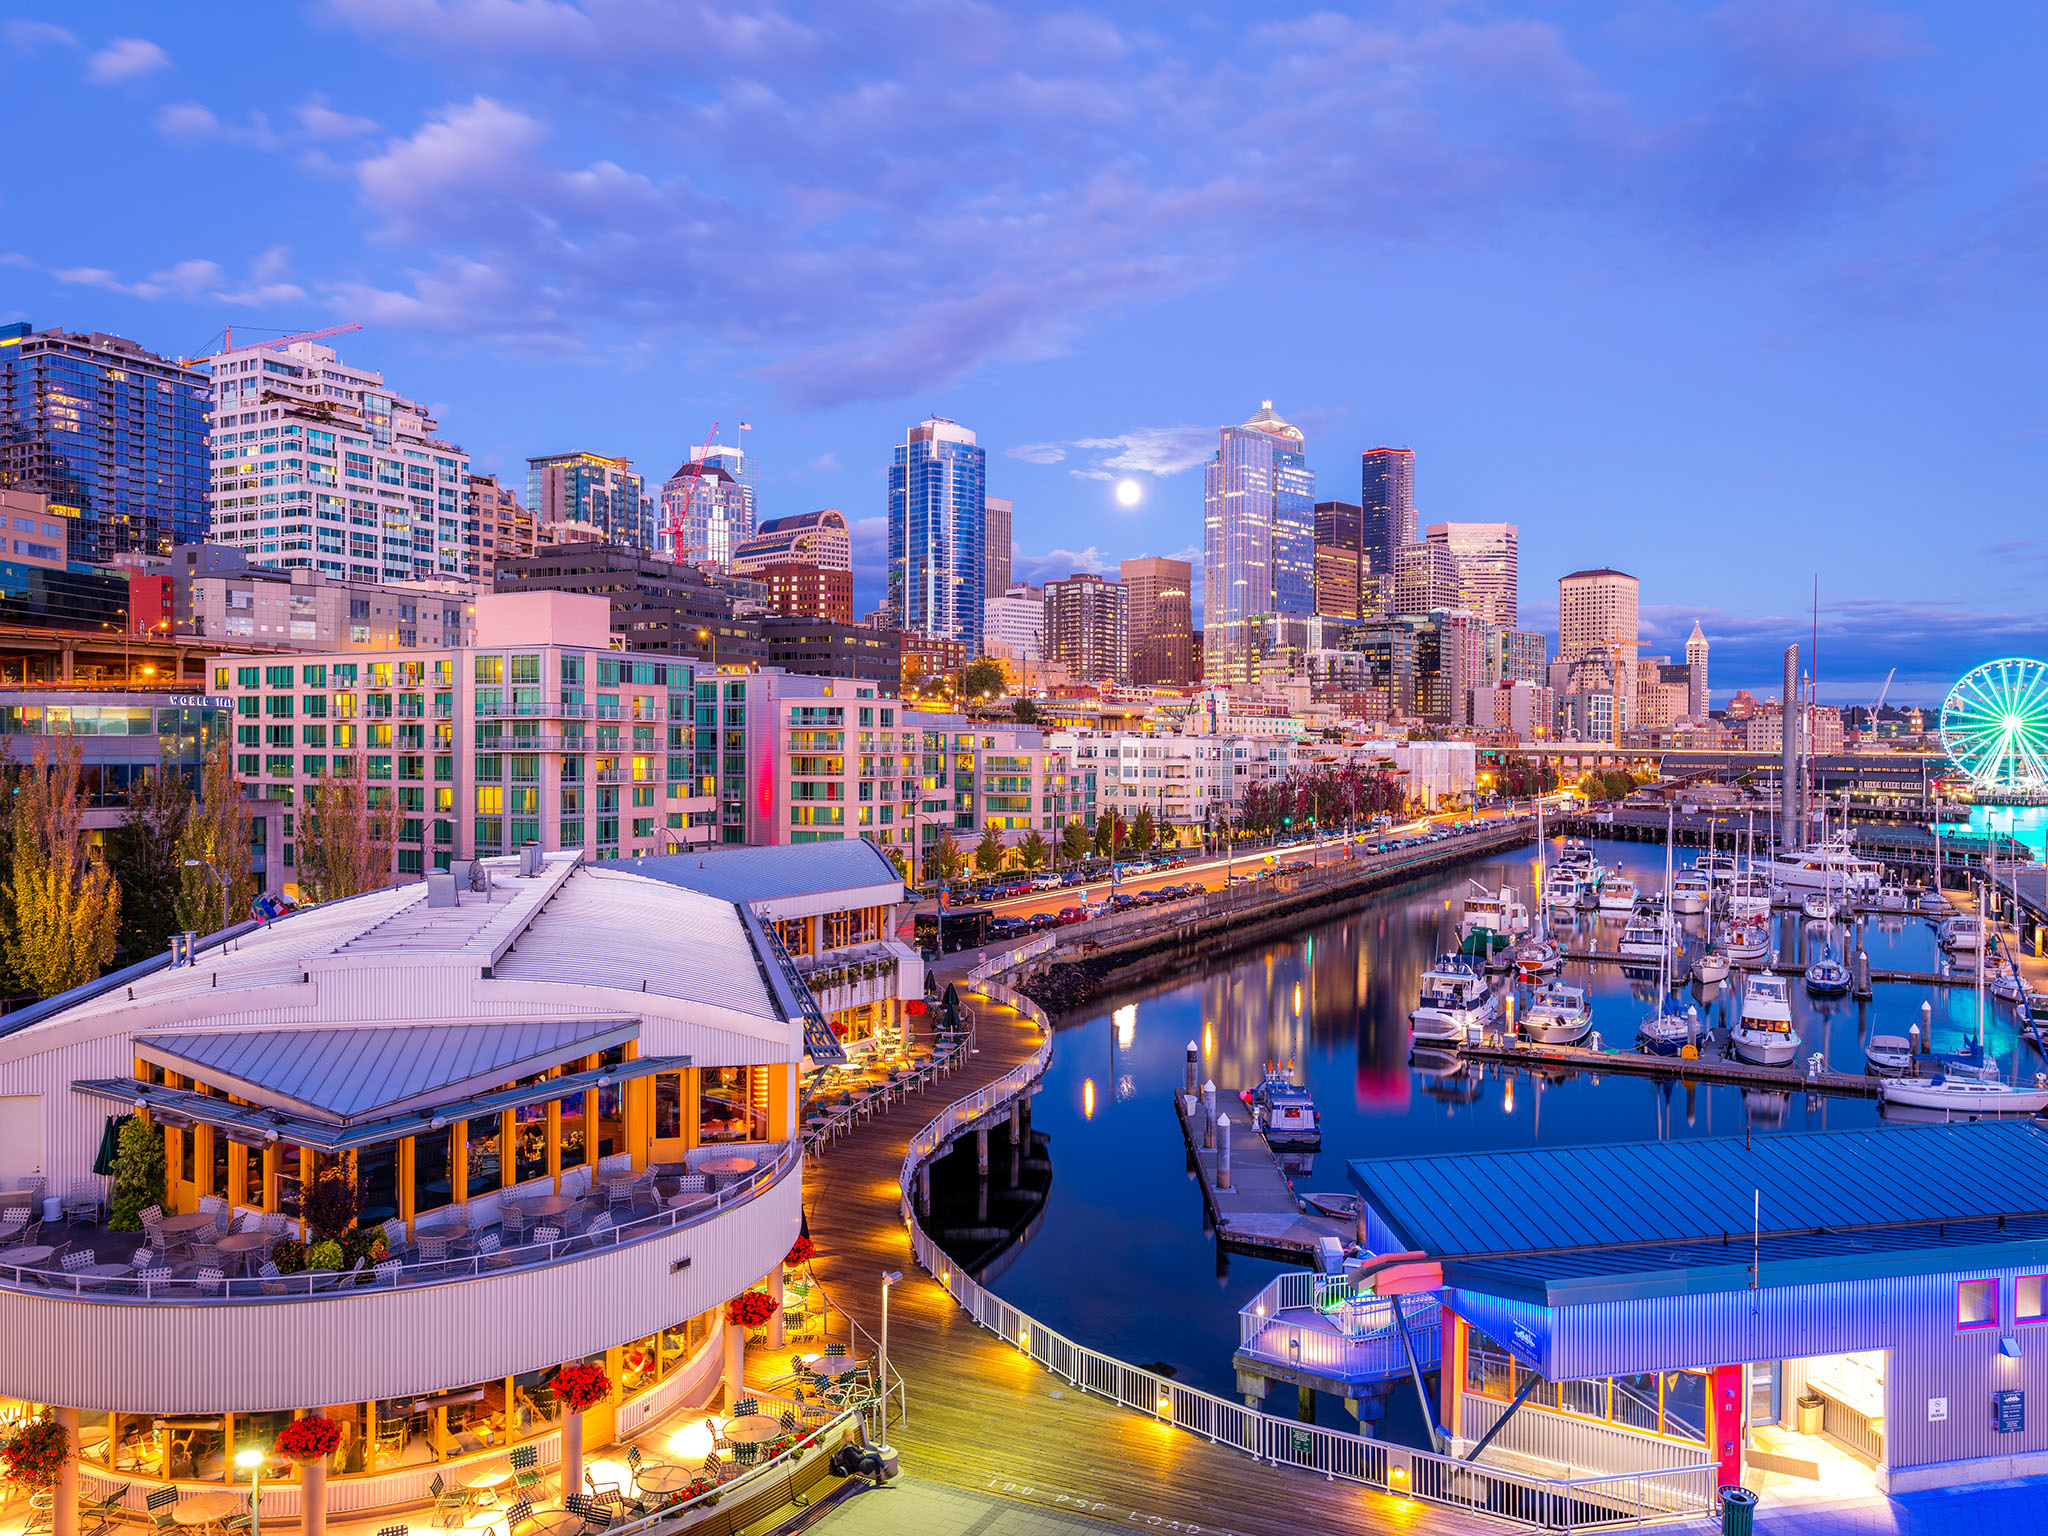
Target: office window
x=1977, y=1304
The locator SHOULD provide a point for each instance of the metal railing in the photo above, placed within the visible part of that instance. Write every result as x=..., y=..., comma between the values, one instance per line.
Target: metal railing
x=1361, y=1340
x=1539, y=1502
x=329, y=1284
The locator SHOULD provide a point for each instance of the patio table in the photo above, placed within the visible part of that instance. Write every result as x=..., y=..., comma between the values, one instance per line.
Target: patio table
x=189, y=1221
x=835, y=1366
x=664, y=1477
x=754, y=1429
x=13, y=1199
x=547, y=1205
x=25, y=1257
x=556, y=1522
x=205, y=1508
x=728, y=1165
x=240, y=1245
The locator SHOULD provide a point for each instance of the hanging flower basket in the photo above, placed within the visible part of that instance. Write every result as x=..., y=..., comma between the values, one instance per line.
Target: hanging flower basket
x=309, y=1439
x=35, y=1453
x=751, y=1309
x=582, y=1386
x=800, y=1253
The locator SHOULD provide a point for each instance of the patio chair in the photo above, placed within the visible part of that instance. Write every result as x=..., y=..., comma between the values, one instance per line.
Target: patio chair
x=745, y=1408
x=835, y=1351
x=13, y=1222
x=277, y=1224
x=599, y=1519
x=713, y=1467
x=788, y=1421
x=274, y=1282
x=387, y=1274
x=433, y=1246
x=207, y=1255
x=243, y=1519
x=745, y=1453
x=547, y=1234
x=513, y=1223
x=395, y=1240
x=519, y=1514
x=212, y=1205
x=101, y=1512
x=449, y=1503
x=210, y=1280
x=395, y=1530
x=602, y=1230
x=580, y=1504
x=158, y=1504
x=526, y=1473
x=599, y=1490
x=82, y=1202
x=77, y=1259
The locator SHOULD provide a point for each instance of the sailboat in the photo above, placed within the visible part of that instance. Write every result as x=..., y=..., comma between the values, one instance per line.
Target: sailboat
x=1671, y=1025
x=1970, y=1087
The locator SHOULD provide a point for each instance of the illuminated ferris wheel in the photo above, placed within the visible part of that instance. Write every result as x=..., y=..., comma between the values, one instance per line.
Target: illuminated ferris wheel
x=1994, y=727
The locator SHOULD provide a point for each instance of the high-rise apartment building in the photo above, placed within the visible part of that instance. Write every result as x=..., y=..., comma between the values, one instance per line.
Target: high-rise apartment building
x=494, y=527
x=1486, y=558
x=1014, y=623
x=1161, y=620
x=317, y=464
x=1340, y=561
x=999, y=546
x=708, y=507
x=1259, y=542
x=1386, y=500
x=1698, y=699
x=113, y=436
x=1087, y=628
x=1596, y=622
x=818, y=538
x=568, y=492
x=800, y=591
x=1517, y=656
x=218, y=596
x=938, y=571
x=1425, y=579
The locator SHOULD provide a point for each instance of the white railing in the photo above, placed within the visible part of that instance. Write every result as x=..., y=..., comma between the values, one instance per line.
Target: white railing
x=1575, y=1446
x=1535, y=1501
x=1361, y=1339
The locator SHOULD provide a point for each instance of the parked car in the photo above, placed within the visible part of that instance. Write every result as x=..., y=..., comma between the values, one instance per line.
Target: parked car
x=1047, y=883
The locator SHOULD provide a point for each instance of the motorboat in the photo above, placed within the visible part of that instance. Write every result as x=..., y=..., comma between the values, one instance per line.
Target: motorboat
x=1645, y=937
x=1961, y=1092
x=2008, y=986
x=1827, y=977
x=1577, y=860
x=1959, y=933
x=1491, y=920
x=1690, y=893
x=1711, y=966
x=1749, y=894
x=1888, y=1055
x=1931, y=900
x=1669, y=1028
x=1538, y=957
x=1718, y=868
x=1285, y=1112
x=1762, y=1032
x=1892, y=898
x=1457, y=1004
x=1829, y=866
x=1819, y=906
x=1560, y=1015
x=1747, y=939
x=1617, y=894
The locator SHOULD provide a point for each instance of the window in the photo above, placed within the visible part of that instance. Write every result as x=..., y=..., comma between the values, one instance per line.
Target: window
x=668, y=1106
x=2026, y=1296
x=1977, y=1304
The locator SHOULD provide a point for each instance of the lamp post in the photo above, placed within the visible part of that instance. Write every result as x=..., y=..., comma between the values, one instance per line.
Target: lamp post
x=226, y=885
x=705, y=634
x=889, y=1277
x=251, y=1458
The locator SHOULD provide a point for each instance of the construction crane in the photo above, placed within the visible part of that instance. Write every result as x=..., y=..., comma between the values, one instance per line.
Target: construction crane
x=684, y=505
x=1881, y=693
x=278, y=343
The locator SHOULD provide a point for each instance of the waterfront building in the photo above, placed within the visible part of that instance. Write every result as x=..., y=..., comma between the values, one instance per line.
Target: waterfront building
x=1343, y=574
x=1874, y=1321
x=658, y=606
x=568, y=492
x=320, y=465
x=533, y=730
x=508, y=1068
x=1486, y=558
x=1161, y=620
x=1000, y=547
x=218, y=597
x=708, y=507
x=1013, y=625
x=1699, y=700
x=494, y=527
x=1425, y=579
x=1821, y=731
x=1190, y=782
x=800, y=591
x=938, y=573
x=1386, y=499
x=1258, y=548
x=112, y=435
x=1087, y=628
x=822, y=648
x=819, y=538
x=1597, y=622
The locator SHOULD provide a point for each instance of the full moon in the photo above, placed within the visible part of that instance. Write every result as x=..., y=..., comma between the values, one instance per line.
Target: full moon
x=1129, y=493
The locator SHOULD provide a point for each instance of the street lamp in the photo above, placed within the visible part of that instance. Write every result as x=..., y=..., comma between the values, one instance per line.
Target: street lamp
x=225, y=886
x=705, y=634
x=251, y=1458
x=889, y=1277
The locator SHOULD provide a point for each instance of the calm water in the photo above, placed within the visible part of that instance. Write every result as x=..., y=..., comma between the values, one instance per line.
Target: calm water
x=1119, y=1257
x=2022, y=823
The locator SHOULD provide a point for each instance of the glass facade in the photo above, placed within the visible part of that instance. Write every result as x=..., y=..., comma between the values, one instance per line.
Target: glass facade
x=1387, y=501
x=938, y=509
x=1259, y=541
x=116, y=437
x=122, y=740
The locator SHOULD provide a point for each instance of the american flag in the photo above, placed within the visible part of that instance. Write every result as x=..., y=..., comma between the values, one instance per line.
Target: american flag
x=746, y=426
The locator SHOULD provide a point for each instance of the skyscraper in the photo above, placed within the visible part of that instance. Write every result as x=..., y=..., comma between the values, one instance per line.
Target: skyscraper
x=317, y=464
x=604, y=495
x=1162, y=621
x=494, y=527
x=1259, y=537
x=1387, y=500
x=818, y=538
x=706, y=510
x=1596, y=634
x=1425, y=579
x=1698, y=699
x=1340, y=561
x=938, y=572
x=998, y=546
x=1487, y=562
x=1087, y=628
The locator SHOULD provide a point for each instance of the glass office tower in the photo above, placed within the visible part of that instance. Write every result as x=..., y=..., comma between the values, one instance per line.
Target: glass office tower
x=1259, y=542
x=1387, y=497
x=938, y=533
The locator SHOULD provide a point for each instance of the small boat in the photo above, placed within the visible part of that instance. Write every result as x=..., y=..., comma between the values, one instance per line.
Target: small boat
x=1690, y=893
x=1711, y=966
x=1617, y=894
x=1828, y=866
x=1456, y=1004
x=1958, y=933
x=1747, y=939
x=2010, y=988
x=1285, y=1112
x=1749, y=895
x=1538, y=957
x=1670, y=1028
x=1960, y=1091
x=1491, y=920
x=1560, y=1015
x=1827, y=978
x=1888, y=1055
x=1932, y=900
x=1719, y=868
x=1762, y=1032
x=1644, y=937
x=1819, y=906
x=1892, y=898
x=1577, y=860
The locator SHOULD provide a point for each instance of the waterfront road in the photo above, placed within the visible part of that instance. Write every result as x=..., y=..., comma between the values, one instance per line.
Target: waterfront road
x=985, y=1419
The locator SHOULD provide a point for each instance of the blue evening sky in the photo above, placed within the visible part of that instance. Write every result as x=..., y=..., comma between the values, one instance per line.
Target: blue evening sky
x=1723, y=295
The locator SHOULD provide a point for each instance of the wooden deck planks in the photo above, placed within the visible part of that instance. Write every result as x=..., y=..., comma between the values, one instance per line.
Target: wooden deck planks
x=984, y=1416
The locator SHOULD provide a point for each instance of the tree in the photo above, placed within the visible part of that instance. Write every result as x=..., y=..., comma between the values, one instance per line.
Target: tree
x=1033, y=851
x=1074, y=841
x=952, y=862
x=345, y=841
x=1024, y=710
x=138, y=1173
x=901, y=860
x=982, y=677
x=65, y=906
x=217, y=834
x=143, y=853
x=1112, y=835
x=988, y=853
x=1139, y=838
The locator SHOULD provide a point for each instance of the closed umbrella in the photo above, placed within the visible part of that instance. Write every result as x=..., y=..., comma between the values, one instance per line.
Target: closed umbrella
x=110, y=1144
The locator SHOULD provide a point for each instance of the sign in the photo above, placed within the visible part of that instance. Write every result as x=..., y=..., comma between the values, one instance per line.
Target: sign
x=2009, y=1412
x=1937, y=1409
x=202, y=701
x=1304, y=1444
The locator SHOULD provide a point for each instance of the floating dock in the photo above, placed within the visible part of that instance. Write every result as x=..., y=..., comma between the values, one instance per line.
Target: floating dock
x=1705, y=1069
x=1957, y=978
x=1258, y=1214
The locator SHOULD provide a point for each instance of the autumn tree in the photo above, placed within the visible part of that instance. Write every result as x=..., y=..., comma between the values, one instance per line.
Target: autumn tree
x=1138, y=837
x=346, y=839
x=1033, y=851
x=1024, y=709
x=216, y=835
x=901, y=860
x=143, y=853
x=64, y=905
x=952, y=861
x=988, y=853
x=981, y=678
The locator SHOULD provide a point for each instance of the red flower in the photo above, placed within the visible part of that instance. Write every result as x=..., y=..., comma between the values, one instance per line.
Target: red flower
x=800, y=1253
x=751, y=1309
x=309, y=1439
x=582, y=1386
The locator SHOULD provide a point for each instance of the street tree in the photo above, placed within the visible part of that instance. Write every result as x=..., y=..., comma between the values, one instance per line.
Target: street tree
x=65, y=908
x=1074, y=841
x=952, y=860
x=988, y=853
x=143, y=854
x=216, y=835
x=1033, y=851
x=346, y=840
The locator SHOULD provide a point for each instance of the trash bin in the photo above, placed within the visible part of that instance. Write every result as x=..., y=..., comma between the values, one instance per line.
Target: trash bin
x=1738, y=1510
x=1810, y=1409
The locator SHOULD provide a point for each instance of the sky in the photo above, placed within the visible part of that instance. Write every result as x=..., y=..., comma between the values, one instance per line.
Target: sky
x=1732, y=297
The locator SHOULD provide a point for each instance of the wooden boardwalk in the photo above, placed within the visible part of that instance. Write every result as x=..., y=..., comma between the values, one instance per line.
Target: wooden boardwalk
x=984, y=1417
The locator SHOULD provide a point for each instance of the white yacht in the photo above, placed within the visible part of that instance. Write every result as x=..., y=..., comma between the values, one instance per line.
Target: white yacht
x=1888, y=1055
x=1819, y=906
x=1560, y=1015
x=1711, y=966
x=1690, y=893
x=1966, y=1091
x=1492, y=920
x=1748, y=895
x=1827, y=866
x=1456, y=1004
x=1959, y=933
x=1645, y=937
x=1719, y=868
x=1763, y=1031
x=1617, y=894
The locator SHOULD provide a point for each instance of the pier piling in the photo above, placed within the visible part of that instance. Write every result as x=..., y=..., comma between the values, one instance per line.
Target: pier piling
x=1223, y=1151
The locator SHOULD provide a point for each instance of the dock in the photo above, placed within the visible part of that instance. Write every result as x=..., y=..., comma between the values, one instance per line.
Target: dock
x=1960, y=977
x=1258, y=1214
x=1704, y=1069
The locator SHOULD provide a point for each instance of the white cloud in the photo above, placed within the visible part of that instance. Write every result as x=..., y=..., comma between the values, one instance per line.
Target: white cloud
x=125, y=58
x=1056, y=564
x=28, y=36
x=195, y=279
x=1154, y=450
x=320, y=121
x=16, y=259
x=824, y=464
x=191, y=123
x=1037, y=453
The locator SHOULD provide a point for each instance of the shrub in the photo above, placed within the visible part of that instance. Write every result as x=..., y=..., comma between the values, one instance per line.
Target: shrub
x=138, y=1173
x=289, y=1255
x=324, y=1255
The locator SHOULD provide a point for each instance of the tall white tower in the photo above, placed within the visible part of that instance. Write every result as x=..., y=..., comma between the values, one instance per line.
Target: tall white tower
x=1696, y=696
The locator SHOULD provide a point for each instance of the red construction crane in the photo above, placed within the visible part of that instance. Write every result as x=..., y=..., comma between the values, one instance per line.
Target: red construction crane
x=679, y=512
x=227, y=336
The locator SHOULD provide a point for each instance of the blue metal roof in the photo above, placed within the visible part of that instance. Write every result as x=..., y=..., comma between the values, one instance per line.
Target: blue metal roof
x=775, y=871
x=1635, y=1195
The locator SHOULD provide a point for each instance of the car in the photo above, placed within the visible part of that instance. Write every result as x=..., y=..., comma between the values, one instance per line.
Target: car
x=1004, y=927
x=1046, y=883
x=1071, y=915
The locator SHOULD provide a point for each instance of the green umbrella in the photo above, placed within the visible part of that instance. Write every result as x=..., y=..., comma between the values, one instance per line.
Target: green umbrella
x=952, y=1006
x=110, y=1144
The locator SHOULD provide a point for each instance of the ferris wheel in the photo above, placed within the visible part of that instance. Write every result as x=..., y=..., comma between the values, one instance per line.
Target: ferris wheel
x=1994, y=726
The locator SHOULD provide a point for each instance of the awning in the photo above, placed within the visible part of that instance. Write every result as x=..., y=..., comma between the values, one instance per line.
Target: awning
x=252, y=1123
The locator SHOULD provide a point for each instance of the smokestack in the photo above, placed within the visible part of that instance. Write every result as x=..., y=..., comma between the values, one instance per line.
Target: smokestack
x=1791, y=804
